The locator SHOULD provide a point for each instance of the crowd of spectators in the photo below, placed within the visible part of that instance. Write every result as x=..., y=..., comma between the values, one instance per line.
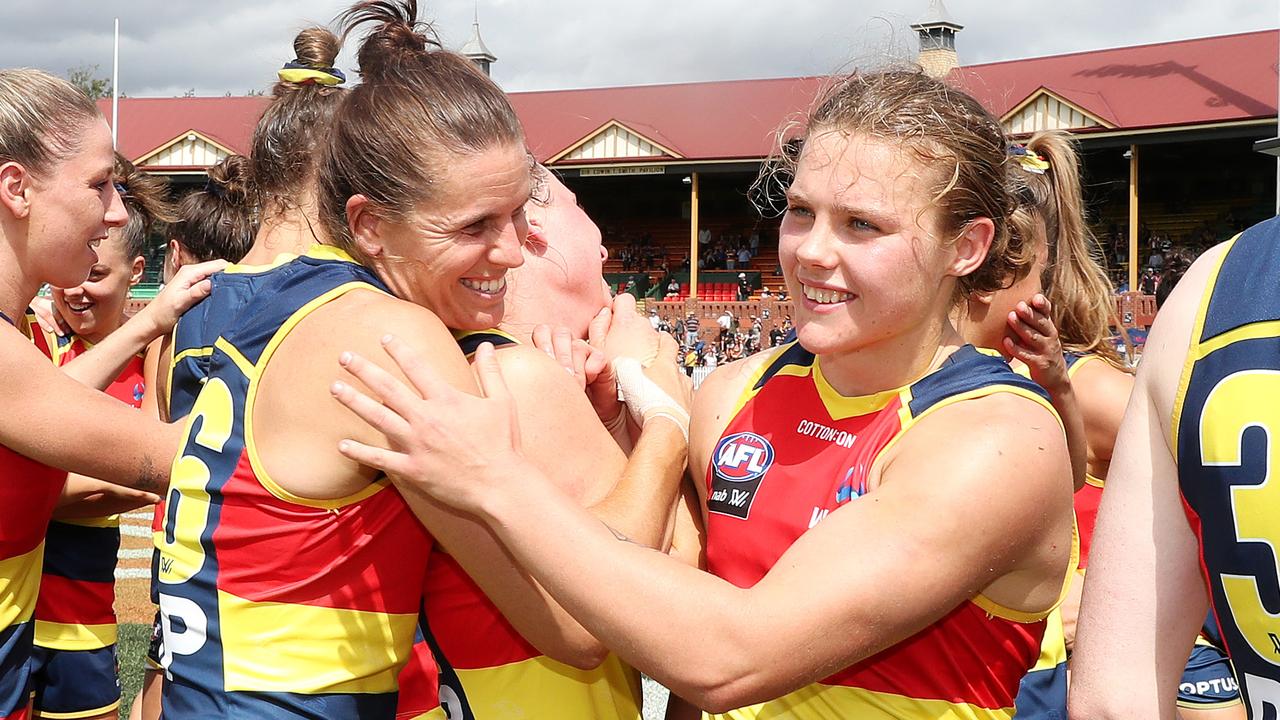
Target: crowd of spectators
x=730, y=338
x=730, y=250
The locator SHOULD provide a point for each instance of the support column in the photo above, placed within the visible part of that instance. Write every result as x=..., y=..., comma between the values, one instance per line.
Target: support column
x=1133, y=218
x=693, y=237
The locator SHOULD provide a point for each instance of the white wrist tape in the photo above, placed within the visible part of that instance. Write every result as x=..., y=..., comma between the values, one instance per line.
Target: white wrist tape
x=644, y=398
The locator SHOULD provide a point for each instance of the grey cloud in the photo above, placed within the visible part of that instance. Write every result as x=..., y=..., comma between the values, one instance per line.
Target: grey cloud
x=168, y=47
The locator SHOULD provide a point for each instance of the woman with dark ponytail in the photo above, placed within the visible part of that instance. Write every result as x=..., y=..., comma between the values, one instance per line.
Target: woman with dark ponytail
x=422, y=186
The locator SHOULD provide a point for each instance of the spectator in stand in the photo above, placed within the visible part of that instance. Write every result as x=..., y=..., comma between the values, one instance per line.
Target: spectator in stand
x=764, y=295
x=744, y=288
x=673, y=287
x=753, y=244
x=690, y=361
x=691, y=329
x=744, y=256
x=725, y=321
x=654, y=320
x=1147, y=283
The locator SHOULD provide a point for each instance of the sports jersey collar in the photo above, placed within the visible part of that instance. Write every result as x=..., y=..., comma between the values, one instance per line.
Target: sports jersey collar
x=840, y=406
x=330, y=252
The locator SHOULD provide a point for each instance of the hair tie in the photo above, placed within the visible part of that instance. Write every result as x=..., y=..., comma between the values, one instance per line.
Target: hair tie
x=1029, y=159
x=296, y=71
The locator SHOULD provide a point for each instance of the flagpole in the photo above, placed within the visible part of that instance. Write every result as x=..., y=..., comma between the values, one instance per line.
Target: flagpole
x=115, y=87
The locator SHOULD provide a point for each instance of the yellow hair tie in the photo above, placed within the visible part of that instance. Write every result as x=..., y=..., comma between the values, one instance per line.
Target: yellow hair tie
x=302, y=76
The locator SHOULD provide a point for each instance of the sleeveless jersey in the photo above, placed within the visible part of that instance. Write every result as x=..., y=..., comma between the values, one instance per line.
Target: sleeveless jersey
x=794, y=451
x=487, y=669
x=191, y=344
x=1225, y=419
x=1042, y=694
x=28, y=493
x=274, y=605
x=1087, y=499
x=76, y=607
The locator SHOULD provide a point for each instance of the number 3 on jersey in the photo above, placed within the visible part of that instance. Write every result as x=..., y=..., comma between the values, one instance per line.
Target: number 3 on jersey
x=1240, y=401
x=181, y=549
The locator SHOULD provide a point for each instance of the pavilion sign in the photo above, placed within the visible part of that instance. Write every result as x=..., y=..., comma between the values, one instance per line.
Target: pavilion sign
x=631, y=170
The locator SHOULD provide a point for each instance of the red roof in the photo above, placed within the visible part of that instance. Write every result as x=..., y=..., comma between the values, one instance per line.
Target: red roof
x=1187, y=82
x=147, y=124
x=704, y=121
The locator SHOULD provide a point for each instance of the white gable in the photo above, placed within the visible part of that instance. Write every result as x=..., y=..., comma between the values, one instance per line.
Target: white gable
x=1046, y=111
x=190, y=149
x=614, y=141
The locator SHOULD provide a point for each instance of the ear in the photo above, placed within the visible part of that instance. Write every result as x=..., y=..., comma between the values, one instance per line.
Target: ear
x=14, y=183
x=135, y=273
x=365, y=226
x=971, y=249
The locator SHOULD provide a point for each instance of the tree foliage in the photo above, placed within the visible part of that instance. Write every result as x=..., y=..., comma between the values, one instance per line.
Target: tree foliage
x=85, y=78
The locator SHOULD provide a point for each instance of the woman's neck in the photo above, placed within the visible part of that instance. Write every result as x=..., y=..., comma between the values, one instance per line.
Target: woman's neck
x=16, y=291
x=283, y=231
x=893, y=363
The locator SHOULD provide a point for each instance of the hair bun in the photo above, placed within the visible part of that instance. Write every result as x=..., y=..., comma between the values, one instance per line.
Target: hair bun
x=232, y=179
x=398, y=35
x=316, y=47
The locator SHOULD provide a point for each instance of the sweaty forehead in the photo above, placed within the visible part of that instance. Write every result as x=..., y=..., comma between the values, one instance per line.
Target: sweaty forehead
x=859, y=170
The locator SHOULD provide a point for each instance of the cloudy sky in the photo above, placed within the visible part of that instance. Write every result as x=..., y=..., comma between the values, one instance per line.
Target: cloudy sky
x=169, y=47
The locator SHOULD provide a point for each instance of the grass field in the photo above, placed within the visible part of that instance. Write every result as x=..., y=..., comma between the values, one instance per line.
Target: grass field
x=132, y=647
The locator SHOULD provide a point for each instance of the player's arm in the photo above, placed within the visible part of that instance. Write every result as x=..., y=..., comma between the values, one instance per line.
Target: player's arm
x=35, y=396
x=86, y=497
x=1033, y=339
x=1145, y=599
x=718, y=645
x=1103, y=392
x=299, y=448
x=565, y=441
x=101, y=365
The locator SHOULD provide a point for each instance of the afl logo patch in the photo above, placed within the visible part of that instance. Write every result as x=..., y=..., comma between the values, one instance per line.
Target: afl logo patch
x=743, y=456
x=739, y=466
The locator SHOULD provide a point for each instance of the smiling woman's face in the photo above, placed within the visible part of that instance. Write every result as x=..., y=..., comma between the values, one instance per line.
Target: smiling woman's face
x=452, y=254
x=859, y=243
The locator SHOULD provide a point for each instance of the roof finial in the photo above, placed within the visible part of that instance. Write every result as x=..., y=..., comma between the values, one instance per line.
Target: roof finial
x=474, y=49
x=937, y=33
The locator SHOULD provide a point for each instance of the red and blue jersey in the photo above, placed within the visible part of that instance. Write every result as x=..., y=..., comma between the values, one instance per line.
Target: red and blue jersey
x=75, y=610
x=487, y=669
x=191, y=346
x=1226, y=418
x=275, y=605
x=794, y=451
x=29, y=492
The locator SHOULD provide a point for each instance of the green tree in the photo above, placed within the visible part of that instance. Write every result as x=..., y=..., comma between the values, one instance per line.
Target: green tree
x=84, y=77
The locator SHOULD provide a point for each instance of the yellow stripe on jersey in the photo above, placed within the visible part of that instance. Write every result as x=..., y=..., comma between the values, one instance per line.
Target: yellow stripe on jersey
x=108, y=521
x=840, y=407
x=19, y=585
x=46, y=715
x=823, y=702
x=66, y=636
x=1192, y=351
x=1053, y=647
x=543, y=688
x=323, y=661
